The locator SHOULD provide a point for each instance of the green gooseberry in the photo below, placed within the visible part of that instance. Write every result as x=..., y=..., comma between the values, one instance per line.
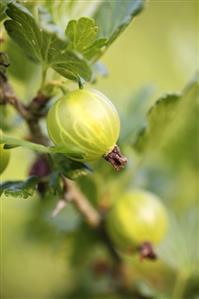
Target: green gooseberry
x=84, y=124
x=137, y=217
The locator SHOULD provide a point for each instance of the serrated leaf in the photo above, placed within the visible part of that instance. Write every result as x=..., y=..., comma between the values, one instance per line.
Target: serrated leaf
x=69, y=168
x=82, y=36
x=166, y=118
x=81, y=33
x=22, y=189
x=159, y=117
x=113, y=17
x=43, y=46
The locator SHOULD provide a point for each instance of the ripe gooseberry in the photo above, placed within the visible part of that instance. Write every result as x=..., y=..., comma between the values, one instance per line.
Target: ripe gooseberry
x=136, y=221
x=86, y=125
x=4, y=158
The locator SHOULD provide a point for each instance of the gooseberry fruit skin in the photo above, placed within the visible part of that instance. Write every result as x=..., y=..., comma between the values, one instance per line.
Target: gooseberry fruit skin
x=137, y=217
x=85, y=124
x=4, y=158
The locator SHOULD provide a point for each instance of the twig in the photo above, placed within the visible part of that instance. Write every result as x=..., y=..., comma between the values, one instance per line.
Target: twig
x=30, y=113
x=7, y=96
x=96, y=221
x=14, y=101
x=73, y=194
x=59, y=207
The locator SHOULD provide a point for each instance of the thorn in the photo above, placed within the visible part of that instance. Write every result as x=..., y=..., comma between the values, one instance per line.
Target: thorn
x=59, y=207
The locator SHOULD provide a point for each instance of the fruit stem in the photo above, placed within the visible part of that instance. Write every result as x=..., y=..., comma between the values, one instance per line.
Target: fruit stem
x=81, y=83
x=43, y=78
x=116, y=158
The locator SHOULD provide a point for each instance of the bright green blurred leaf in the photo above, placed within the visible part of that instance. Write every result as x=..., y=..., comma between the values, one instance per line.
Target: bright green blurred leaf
x=167, y=116
x=159, y=119
x=180, y=248
x=113, y=17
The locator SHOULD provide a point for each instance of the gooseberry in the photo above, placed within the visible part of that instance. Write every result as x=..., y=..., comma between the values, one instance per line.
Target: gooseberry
x=86, y=125
x=137, y=220
x=4, y=158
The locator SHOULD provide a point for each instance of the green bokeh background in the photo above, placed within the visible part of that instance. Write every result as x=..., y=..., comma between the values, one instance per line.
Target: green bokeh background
x=159, y=48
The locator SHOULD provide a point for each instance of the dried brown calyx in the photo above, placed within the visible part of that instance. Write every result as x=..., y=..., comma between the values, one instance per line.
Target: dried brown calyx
x=146, y=251
x=116, y=159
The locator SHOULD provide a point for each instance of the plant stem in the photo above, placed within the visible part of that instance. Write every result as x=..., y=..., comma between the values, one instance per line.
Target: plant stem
x=20, y=142
x=180, y=285
x=43, y=78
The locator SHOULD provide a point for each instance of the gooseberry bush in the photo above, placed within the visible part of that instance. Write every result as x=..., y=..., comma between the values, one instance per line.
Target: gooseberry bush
x=104, y=177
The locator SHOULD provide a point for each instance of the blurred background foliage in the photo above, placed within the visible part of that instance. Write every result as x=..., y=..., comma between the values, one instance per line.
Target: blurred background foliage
x=44, y=257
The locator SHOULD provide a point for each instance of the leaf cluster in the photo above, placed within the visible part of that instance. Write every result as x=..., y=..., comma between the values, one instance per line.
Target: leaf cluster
x=71, y=54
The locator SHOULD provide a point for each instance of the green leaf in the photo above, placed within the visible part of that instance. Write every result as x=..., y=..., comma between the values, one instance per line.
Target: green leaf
x=24, y=31
x=81, y=33
x=159, y=118
x=69, y=168
x=22, y=189
x=167, y=120
x=96, y=49
x=3, y=6
x=180, y=247
x=70, y=65
x=43, y=46
x=30, y=70
x=82, y=36
x=113, y=17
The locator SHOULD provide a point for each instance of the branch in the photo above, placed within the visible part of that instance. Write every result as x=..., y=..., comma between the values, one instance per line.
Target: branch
x=30, y=113
x=7, y=96
x=73, y=194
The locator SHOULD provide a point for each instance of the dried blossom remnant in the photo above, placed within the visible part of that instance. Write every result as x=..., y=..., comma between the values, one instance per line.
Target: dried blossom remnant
x=116, y=158
x=41, y=168
x=147, y=252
